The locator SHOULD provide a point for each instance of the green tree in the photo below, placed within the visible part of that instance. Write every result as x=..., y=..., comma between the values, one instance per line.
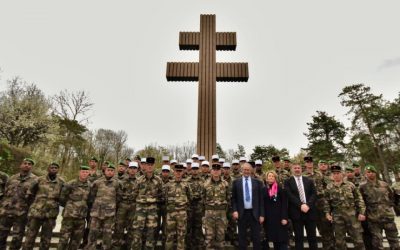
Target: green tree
x=265, y=153
x=220, y=152
x=325, y=137
x=365, y=107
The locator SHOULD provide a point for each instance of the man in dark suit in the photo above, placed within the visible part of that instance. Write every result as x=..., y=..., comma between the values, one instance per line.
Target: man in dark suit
x=248, y=206
x=302, y=195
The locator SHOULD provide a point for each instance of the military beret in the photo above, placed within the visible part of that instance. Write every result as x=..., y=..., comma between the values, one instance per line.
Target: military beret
x=308, y=158
x=121, y=163
x=30, y=160
x=85, y=168
x=286, y=159
x=179, y=166
x=322, y=162
x=356, y=164
x=349, y=168
x=275, y=158
x=371, y=168
x=55, y=164
x=216, y=166
x=150, y=160
x=336, y=168
x=252, y=163
x=128, y=159
x=331, y=162
x=111, y=166
x=93, y=158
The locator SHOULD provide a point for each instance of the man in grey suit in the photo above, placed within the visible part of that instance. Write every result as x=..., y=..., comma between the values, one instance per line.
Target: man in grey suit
x=248, y=207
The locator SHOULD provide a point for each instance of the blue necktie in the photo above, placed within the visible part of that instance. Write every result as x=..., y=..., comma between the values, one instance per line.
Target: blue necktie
x=247, y=191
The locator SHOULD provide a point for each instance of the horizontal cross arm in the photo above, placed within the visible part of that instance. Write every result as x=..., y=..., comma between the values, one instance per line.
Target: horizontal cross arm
x=232, y=72
x=182, y=71
x=191, y=40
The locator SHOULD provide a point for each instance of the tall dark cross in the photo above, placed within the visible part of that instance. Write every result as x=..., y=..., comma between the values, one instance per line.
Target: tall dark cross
x=207, y=72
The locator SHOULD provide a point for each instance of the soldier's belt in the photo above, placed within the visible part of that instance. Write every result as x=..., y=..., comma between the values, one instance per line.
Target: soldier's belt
x=215, y=207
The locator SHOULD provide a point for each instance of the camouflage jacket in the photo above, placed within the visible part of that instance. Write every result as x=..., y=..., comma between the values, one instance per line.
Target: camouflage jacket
x=236, y=175
x=343, y=199
x=127, y=190
x=177, y=195
x=196, y=185
x=396, y=191
x=205, y=177
x=320, y=186
x=46, y=203
x=149, y=189
x=74, y=198
x=378, y=198
x=18, y=195
x=3, y=182
x=216, y=194
x=103, y=196
x=283, y=175
x=95, y=176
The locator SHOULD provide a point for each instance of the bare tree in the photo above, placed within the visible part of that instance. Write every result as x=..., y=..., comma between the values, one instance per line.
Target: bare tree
x=72, y=105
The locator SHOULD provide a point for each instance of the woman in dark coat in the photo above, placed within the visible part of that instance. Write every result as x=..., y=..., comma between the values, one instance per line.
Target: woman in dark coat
x=276, y=213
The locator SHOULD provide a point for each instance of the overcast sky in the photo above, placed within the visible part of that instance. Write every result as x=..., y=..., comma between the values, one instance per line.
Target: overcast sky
x=300, y=54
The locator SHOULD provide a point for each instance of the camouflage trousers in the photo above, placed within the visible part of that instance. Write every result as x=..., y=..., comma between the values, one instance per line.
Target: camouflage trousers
x=175, y=226
x=391, y=232
x=215, y=223
x=161, y=218
x=144, y=224
x=231, y=231
x=18, y=225
x=100, y=227
x=34, y=224
x=71, y=233
x=325, y=228
x=123, y=221
x=194, y=234
x=347, y=223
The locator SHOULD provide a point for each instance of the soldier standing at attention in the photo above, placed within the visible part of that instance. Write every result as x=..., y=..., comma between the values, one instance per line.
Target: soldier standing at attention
x=378, y=198
x=350, y=176
x=231, y=231
x=18, y=196
x=103, y=196
x=194, y=235
x=236, y=169
x=3, y=181
x=216, y=197
x=162, y=209
x=177, y=195
x=345, y=208
x=74, y=199
x=121, y=170
x=205, y=170
x=149, y=193
x=282, y=174
x=324, y=226
x=126, y=209
x=44, y=209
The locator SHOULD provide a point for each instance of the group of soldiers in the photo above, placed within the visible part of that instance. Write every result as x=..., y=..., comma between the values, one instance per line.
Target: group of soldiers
x=183, y=206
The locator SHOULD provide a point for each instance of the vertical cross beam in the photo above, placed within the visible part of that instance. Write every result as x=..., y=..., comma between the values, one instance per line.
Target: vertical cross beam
x=207, y=71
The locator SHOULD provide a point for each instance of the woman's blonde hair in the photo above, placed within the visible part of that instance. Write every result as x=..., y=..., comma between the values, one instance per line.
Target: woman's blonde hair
x=271, y=172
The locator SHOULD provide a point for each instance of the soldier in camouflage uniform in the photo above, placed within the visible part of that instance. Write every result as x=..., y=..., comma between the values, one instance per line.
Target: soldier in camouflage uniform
x=44, y=209
x=194, y=235
x=357, y=173
x=3, y=181
x=282, y=174
x=121, y=170
x=231, y=231
x=287, y=163
x=177, y=196
x=104, y=195
x=18, y=195
x=74, y=199
x=324, y=226
x=205, y=170
x=162, y=208
x=378, y=198
x=216, y=197
x=236, y=173
x=345, y=208
x=350, y=176
x=93, y=176
x=396, y=190
x=126, y=209
x=149, y=193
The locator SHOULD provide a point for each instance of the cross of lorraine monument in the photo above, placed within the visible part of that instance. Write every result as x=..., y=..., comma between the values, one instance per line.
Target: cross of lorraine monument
x=207, y=72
